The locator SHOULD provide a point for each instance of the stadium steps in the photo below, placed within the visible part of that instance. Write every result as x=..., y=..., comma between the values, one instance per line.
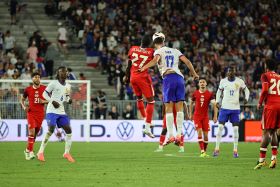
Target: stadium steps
x=38, y=20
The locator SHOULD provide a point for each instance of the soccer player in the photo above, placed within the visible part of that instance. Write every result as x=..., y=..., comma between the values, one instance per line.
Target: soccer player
x=230, y=108
x=162, y=137
x=270, y=95
x=173, y=82
x=202, y=98
x=35, y=111
x=58, y=93
x=141, y=82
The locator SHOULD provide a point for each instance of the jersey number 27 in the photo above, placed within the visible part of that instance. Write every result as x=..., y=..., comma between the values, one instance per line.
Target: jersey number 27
x=136, y=58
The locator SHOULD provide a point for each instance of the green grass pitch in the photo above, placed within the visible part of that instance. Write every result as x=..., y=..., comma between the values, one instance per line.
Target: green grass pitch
x=134, y=164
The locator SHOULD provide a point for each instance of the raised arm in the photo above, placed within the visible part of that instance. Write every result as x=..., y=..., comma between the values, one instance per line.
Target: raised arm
x=190, y=66
x=151, y=63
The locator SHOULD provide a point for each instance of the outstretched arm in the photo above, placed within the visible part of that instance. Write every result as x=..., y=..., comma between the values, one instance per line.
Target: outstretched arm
x=190, y=66
x=151, y=63
x=127, y=72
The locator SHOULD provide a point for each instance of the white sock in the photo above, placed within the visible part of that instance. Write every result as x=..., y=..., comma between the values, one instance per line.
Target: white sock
x=219, y=136
x=235, y=137
x=179, y=121
x=169, y=124
x=148, y=126
x=45, y=142
x=68, y=143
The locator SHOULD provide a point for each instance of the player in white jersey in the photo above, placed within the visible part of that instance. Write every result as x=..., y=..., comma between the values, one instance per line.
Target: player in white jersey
x=173, y=82
x=230, y=88
x=57, y=93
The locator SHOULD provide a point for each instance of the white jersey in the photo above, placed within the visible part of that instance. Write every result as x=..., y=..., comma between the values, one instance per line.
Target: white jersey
x=231, y=91
x=169, y=60
x=55, y=91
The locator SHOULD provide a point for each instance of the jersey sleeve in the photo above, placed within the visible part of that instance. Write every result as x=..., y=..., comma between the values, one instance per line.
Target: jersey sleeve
x=264, y=78
x=221, y=85
x=242, y=85
x=193, y=97
x=129, y=53
x=179, y=53
x=25, y=93
x=157, y=52
x=48, y=91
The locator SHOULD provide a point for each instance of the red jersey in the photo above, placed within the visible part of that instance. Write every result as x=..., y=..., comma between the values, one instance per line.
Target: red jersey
x=272, y=97
x=202, y=101
x=33, y=94
x=139, y=58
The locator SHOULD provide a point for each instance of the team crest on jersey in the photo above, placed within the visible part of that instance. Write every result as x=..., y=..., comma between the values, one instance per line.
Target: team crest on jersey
x=236, y=86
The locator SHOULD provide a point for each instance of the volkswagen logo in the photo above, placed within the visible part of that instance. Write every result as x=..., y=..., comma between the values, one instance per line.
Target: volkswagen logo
x=4, y=130
x=125, y=130
x=189, y=130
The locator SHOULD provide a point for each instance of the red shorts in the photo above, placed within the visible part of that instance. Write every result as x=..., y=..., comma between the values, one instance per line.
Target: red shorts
x=271, y=118
x=142, y=86
x=201, y=123
x=34, y=121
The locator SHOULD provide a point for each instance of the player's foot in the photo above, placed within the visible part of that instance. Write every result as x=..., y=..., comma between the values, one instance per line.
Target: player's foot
x=68, y=157
x=204, y=155
x=31, y=155
x=27, y=155
x=159, y=149
x=235, y=154
x=260, y=165
x=272, y=164
x=216, y=153
x=169, y=141
x=40, y=156
x=181, y=149
x=148, y=133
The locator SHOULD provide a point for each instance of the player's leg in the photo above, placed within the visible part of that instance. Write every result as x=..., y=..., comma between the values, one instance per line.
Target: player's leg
x=137, y=91
x=51, y=119
x=205, y=129
x=263, y=148
x=234, y=119
x=169, y=121
x=274, y=146
x=64, y=122
x=162, y=137
x=223, y=118
x=31, y=138
x=198, y=127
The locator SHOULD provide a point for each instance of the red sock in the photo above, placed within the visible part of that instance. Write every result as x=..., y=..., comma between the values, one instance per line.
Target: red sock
x=201, y=143
x=274, y=151
x=161, y=139
x=205, y=145
x=149, y=111
x=141, y=107
x=263, y=152
x=182, y=140
x=30, y=143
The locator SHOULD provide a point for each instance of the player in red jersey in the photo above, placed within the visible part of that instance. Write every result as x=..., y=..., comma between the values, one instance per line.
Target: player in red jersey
x=141, y=82
x=35, y=111
x=162, y=137
x=270, y=95
x=202, y=98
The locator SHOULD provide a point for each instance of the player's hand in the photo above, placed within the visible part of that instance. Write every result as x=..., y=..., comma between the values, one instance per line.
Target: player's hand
x=245, y=102
x=195, y=76
x=259, y=106
x=26, y=109
x=218, y=105
x=55, y=104
x=187, y=117
x=125, y=79
x=215, y=119
x=140, y=69
x=42, y=101
x=70, y=101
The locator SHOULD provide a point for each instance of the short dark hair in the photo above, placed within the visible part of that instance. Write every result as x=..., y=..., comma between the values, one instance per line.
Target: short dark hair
x=146, y=41
x=202, y=78
x=270, y=64
x=158, y=40
x=34, y=74
x=59, y=68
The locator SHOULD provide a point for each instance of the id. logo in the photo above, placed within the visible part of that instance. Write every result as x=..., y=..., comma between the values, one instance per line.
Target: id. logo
x=125, y=130
x=189, y=130
x=4, y=130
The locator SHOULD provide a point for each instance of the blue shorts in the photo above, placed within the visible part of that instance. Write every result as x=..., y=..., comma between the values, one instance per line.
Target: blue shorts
x=231, y=115
x=173, y=88
x=57, y=119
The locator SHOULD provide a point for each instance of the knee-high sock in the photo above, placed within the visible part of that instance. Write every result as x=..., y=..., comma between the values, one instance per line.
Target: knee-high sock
x=205, y=143
x=141, y=107
x=219, y=136
x=45, y=142
x=200, y=143
x=149, y=111
x=262, y=154
x=179, y=122
x=235, y=137
x=68, y=143
x=30, y=143
x=169, y=124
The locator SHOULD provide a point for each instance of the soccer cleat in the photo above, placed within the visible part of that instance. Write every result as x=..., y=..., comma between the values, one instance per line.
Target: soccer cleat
x=204, y=155
x=181, y=149
x=27, y=155
x=31, y=155
x=260, y=165
x=216, y=153
x=68, y=157
x=235, y=154
x=158, y=150
x=272, y=164
x=40, y=156
x=148, y=133
x=169, y=141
